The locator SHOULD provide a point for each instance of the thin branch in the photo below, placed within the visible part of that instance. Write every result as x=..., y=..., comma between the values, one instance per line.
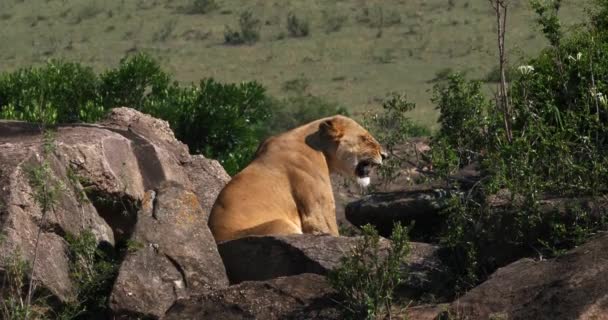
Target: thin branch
x=501, y=10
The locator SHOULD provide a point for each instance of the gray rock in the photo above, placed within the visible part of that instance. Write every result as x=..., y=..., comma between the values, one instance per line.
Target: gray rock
x=116, y=163
x=267, y=257
x=178, y=259
x=208, y=178
x=305, y=296
x=419, y=206
x=572, y=286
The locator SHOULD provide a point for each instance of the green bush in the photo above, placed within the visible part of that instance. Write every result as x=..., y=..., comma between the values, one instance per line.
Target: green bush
x=59, y=92
x=394, y=128
x=367, y=278
x=202, y=6
x=137, y=80
x=92, y=272
x=558, y=150
x=463, y=115
x=297, y=27
x=248, y=33
x=223, y=121
x=13, y=293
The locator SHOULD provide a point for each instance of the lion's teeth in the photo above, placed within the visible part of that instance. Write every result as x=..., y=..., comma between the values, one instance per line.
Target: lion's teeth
x=364, y=182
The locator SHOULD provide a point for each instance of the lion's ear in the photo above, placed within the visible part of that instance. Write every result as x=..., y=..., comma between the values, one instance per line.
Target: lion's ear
x=332, y=129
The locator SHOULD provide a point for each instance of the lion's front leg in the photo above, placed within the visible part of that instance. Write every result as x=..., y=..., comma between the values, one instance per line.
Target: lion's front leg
x=318, y=214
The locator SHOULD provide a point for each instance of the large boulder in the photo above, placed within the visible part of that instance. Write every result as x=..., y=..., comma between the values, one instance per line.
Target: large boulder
x=420, y=206
x=99, y=175
x=175, y=255
x=29, y=175
x=300, y=297
x=572, y=286
x=208, y=178
x=305, y=296
x=268, y=257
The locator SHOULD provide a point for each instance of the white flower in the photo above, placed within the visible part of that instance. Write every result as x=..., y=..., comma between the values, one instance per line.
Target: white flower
x=602, y=98
x=578, y=57
x=525, y=69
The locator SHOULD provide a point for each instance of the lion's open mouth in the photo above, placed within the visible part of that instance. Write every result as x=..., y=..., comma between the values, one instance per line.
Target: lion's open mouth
x=363, y=171
x=364, y=168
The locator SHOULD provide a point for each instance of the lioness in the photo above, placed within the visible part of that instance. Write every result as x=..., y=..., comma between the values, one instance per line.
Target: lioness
x=286, y=189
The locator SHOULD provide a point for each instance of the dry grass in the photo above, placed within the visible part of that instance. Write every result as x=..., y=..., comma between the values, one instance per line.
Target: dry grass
x=394, y=45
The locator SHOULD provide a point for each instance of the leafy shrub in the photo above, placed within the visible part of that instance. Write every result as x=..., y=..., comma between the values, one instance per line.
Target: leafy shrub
x=59, y=92
x=394, y=128
x=248, y=33
x=137, y=80
x=558, y=150
x=13, y=293
x=463, y=116
x=202, y=6
x=297, y=27
x=376, y=17
x=367, y=278
x=223, y=121
x=92, y=272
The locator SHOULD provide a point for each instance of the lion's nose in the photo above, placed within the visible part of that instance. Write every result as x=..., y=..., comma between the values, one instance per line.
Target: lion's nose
x=384, y=155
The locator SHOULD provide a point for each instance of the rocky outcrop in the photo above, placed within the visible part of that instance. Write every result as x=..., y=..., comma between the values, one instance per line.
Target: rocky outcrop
x=208, y=177
x=174, y=255
x=263, y=258
x=98, y=176
x=572, y=286
x=305, y=296
x=419, y=206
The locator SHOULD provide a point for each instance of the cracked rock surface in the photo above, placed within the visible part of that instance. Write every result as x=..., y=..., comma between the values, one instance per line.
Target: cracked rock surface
x=127, y=180
x=169, y=262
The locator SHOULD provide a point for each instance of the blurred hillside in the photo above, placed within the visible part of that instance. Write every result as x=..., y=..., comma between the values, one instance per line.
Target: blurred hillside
x=355, y=51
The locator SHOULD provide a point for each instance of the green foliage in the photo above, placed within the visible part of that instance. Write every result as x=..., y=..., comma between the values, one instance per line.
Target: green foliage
x=297, y=27
x=223, y=121
x=463, y=115
x=13, y=293
x=559, y=150
x=92, y=272
x=202, y=6
x=136, y=81
x=394, y=128
x=548, y=19
x=249, y=32
x=367, y=278
x=59, y=92
x=46, y=189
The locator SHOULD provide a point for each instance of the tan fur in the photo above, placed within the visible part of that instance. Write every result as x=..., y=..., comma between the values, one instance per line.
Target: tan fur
x=286, y=189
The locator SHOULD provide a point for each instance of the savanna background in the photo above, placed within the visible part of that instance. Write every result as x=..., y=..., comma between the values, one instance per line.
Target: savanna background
x=515, y=154
x=353, y=54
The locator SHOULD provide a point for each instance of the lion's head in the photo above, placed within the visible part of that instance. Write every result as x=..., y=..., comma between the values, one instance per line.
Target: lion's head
x=352, y=151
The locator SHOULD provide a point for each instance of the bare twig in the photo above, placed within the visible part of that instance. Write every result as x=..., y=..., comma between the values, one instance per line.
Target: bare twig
x=594, y=88
x=500, y=8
